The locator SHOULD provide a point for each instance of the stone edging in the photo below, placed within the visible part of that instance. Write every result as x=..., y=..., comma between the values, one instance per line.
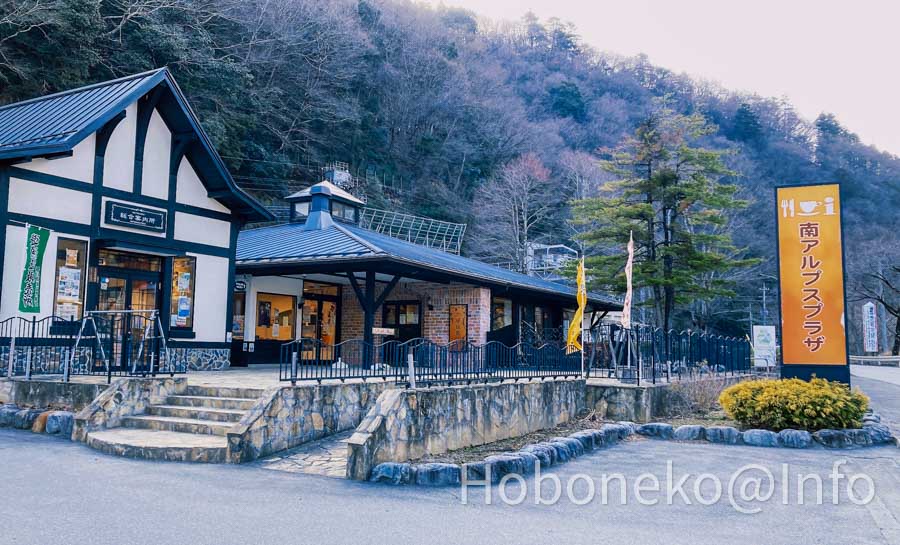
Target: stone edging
x=562, y=449
x=872, y=433
x=37, y=420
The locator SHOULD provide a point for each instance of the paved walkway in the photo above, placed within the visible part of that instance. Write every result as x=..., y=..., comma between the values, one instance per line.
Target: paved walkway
x=882, y=385
x=224, y=504
x=326, y=457
x=884, y=374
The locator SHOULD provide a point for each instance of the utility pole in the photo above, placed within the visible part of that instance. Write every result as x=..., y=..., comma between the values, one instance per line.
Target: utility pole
x=765, y=311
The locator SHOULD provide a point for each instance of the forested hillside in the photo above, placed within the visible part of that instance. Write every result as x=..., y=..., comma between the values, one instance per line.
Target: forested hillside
x=432, y=103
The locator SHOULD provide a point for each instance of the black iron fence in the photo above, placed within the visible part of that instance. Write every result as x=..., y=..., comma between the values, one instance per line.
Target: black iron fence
x=110, y=345
x=421, y=361
x=29, y=346
x=644, y=353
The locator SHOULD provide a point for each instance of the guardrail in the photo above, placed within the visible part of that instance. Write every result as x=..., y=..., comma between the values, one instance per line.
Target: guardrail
x=421, y=361
x=886, y=361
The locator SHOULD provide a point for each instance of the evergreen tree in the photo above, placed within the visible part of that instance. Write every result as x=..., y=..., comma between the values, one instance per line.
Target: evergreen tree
x=670, y=195
x=746, y=126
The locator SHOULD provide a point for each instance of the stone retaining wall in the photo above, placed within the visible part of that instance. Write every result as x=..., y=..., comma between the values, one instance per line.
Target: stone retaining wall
x=41, y=393
x=285, y=417
x=124, y=397
x=646, y=402
x=409, y=424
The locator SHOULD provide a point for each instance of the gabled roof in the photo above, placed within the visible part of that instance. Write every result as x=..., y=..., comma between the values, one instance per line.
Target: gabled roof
x=55, y=124
x=344, y=244
x=336, y=193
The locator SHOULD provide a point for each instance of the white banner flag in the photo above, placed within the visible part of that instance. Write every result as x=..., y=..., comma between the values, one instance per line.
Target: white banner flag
x=629, y=265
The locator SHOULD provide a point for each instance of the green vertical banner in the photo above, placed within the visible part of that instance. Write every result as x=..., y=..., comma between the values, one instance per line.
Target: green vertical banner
x=30, y=292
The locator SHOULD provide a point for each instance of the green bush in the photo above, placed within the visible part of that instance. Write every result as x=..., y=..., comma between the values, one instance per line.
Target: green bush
x=794, y=403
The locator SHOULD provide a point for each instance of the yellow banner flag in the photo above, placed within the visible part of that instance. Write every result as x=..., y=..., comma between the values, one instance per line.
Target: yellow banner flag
x=573, y=341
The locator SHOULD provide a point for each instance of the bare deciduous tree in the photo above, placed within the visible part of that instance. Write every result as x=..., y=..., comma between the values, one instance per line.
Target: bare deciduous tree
x=510, y=208
x=883, y=287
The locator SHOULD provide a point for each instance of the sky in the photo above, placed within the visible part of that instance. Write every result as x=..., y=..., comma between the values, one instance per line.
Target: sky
x=837, y=56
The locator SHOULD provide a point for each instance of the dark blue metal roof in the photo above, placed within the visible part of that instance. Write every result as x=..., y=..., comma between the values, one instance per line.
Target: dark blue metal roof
x=286, y=242
x=54, y=124
x=53, y=121
x=289, y=243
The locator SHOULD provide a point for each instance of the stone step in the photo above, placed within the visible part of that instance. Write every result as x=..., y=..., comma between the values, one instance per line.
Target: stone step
x=197, y=413
x=160, y=445
x=182, y=425
x=233, y=403
x=217, y=391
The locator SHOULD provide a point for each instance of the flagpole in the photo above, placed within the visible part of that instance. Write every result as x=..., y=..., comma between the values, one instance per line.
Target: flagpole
x=626, y=306
x=583, y=371
x=10, y=370
x=18, y=302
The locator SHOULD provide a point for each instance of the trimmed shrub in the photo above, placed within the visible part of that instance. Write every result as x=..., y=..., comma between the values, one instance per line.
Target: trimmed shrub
x=793, y=403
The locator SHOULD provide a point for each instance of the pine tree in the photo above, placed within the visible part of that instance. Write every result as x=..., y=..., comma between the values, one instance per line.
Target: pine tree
x=670, y=195
x=746, y=126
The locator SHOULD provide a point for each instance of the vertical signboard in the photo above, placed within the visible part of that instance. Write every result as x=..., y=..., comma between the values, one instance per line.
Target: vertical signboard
x=811, y=276
x=765, y=347
x=870, y=327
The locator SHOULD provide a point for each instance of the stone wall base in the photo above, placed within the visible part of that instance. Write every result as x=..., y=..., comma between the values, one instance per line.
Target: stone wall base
x=201, y=359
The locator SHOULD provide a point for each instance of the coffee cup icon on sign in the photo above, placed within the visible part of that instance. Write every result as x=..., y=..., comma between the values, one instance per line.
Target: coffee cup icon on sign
x=808, y=208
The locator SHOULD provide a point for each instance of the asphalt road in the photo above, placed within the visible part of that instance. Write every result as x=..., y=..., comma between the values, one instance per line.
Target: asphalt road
x=55, y=491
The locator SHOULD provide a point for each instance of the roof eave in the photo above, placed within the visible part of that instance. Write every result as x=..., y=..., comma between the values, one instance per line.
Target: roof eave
x=480, y=279
x=34, y=152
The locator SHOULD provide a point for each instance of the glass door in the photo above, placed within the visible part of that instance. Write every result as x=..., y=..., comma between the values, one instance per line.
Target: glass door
x=309, y=329
x=320, y=324
x=110, y=327
x=143, y=295
x=124, y=333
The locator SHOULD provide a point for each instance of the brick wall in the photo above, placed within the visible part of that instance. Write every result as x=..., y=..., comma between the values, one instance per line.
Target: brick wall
x=436, y=322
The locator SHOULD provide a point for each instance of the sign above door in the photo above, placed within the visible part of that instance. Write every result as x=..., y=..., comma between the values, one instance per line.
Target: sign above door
x=136, y=217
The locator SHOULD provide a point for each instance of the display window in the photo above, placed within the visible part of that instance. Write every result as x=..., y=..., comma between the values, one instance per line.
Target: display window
x=184, y=276
x=71, y=261
x=239, y=310
x=501, y=313
x=275, y=315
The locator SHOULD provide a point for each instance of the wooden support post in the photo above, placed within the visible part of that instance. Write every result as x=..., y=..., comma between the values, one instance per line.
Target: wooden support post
x=369, y=304
x=369, y=318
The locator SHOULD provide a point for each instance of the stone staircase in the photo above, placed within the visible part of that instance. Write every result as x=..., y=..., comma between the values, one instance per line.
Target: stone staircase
x=190, y=427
